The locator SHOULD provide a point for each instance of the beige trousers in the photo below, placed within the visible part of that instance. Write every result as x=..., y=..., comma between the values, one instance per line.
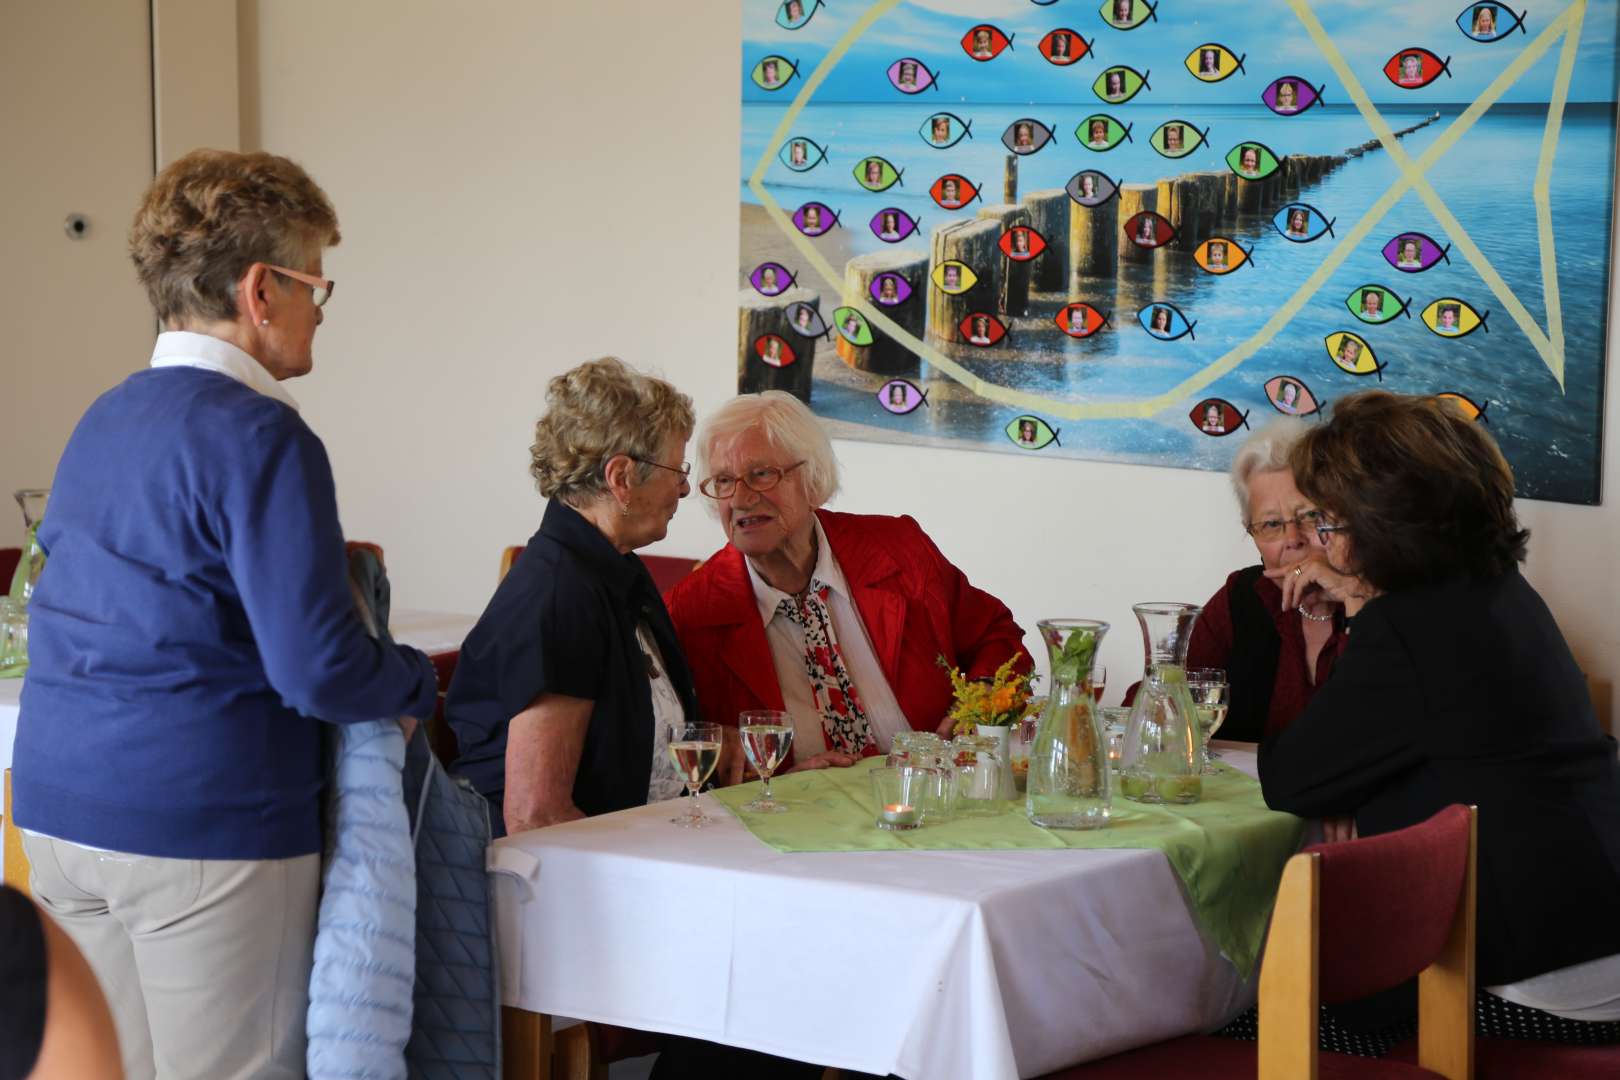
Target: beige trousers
x=205, y=962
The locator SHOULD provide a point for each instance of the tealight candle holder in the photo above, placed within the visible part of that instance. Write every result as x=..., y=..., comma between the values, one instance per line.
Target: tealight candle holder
x=901, y=791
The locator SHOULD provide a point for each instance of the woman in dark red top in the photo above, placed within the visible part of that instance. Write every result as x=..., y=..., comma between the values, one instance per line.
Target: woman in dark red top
x=1274, y=658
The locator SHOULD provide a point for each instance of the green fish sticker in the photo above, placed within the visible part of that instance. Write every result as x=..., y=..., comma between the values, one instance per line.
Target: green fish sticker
x=852, y=326
x=1031, y=432
x=1252, y=160
x=1101, y=132
x=1118, y=84
x=1376, y=304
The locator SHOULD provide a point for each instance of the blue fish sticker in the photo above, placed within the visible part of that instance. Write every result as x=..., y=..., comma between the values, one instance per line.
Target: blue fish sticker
x=806, y=321
x=944, y=130
x=774, y=72
x=815, y=219
x=801, y=154
x=892, y=224
x=1490, y=22
x=901, y=396
x=1031, y=432
x=771, y=279
x=1165, y=321
x=1301, y=223
x=794, y=14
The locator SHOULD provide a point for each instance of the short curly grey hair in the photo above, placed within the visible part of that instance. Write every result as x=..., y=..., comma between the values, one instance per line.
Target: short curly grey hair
x=601, y=409
x=1266, y=450
x=788, y=425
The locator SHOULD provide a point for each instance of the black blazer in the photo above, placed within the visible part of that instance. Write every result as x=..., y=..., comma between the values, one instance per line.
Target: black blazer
x=1465, y=692
x=564, y=622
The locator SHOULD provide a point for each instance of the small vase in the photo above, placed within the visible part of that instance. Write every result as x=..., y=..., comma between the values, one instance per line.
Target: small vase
x=1161, y=761
x=1007, y=785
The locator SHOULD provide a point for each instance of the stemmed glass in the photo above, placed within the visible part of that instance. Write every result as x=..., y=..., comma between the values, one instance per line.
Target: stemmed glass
x=766, y=736
x=696, y=751
x=1210, y=694
x=1099, y=681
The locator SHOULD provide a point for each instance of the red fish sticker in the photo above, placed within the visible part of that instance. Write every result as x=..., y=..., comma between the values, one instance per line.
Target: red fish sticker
x=1415, y=68
x=1216, y=417
x=953, y=191
x=1063, y=47
x=1150, y=230
x=774, y=351
x=1290, y=396
x=985, y=42
x=1080, y=320
x=982, y=329
x=1021, y=243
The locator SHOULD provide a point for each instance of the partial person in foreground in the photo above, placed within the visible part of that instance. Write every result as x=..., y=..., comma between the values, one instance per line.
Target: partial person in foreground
x=1456, y=686
x=193, y=621
x=54, y=1020
x=841, y=619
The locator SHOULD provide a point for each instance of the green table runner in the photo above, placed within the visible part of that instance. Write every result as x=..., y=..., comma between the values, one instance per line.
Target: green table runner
x=1228, y=849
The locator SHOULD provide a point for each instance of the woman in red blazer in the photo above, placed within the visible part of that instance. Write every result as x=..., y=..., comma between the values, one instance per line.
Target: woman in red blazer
x=894, y=603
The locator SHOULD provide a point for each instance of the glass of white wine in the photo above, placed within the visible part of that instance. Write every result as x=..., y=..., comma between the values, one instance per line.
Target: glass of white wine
x=695, y=749
x=766, y=736
x=1210, y=694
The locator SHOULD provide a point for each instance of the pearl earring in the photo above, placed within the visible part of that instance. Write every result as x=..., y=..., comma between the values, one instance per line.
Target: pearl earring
x=264, y=322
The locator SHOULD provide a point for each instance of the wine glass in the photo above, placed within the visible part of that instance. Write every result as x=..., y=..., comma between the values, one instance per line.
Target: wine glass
x=1210, y=694
x=766, y=736
x=1099, y=681
x=695, y=749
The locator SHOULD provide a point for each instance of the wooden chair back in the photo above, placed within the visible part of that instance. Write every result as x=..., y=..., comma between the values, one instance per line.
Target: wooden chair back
x=11, y=849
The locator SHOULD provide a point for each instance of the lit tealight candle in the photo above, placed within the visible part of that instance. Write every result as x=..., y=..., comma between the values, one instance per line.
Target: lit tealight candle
x=898, y=816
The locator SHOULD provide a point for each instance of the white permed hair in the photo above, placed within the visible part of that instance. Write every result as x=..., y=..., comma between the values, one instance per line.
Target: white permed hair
x=788, y=425
x=1266, y=450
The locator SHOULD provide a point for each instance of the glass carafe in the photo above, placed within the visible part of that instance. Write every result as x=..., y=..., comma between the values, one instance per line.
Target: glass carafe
x=1161, y=760
x=32, y=501
x=1068, y=765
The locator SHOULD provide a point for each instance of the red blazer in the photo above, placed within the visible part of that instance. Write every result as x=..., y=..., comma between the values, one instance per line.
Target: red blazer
x=916, y=606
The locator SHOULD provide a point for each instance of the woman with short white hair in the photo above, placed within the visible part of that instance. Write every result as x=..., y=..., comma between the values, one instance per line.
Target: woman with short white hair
x=840, y=619
x=1275, y=658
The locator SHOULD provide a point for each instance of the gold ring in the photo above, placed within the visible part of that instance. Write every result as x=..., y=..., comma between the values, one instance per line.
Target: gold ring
x=1298, y=570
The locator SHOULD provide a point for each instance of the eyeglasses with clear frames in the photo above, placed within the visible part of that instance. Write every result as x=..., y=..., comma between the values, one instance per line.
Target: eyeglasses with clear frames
x=1274, y=528
x=320, y=288
x=762, y=478
x=685, y=467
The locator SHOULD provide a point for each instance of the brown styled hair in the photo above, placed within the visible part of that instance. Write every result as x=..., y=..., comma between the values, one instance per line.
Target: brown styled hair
x=213, y=213
x=1423, y=491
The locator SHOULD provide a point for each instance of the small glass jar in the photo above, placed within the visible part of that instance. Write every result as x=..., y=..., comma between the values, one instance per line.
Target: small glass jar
x=901, y=793
x=977, y=765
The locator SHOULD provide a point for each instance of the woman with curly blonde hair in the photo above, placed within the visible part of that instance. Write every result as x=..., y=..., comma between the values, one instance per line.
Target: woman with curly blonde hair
x=568, y=685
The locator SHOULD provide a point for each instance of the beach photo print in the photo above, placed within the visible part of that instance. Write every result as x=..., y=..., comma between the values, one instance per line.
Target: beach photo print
x=1124, y=230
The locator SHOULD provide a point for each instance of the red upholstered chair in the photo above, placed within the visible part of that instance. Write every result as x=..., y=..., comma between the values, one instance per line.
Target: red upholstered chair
x=9, y=558
x=1527, y=1059
x=1351, y=919
x=668, y=571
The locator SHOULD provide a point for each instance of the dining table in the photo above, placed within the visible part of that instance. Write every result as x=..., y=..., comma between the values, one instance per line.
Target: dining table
x=939, y=964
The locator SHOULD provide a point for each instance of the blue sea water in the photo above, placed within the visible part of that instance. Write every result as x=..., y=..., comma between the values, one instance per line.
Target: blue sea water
x=1551, y=435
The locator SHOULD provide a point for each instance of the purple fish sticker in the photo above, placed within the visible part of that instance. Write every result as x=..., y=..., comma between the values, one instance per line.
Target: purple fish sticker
x=890, y=289
x=900, y=396
x=815, y=219
x=892, y=225
x=771, y=279
x=911, y=76
x=1413, y=253
x=1291, y=95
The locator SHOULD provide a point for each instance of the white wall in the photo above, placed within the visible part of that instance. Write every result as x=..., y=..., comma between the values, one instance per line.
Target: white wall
x=493, y=177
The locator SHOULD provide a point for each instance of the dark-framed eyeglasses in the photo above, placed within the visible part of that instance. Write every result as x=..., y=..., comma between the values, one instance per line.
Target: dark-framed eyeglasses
x=1274, y=528
x=320, y=289
x=1323, y=531
x=685, y=467
x=758, y=479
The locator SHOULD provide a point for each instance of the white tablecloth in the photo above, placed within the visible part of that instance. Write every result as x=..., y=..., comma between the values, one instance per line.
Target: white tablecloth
x=944, y=965
x=430, y=631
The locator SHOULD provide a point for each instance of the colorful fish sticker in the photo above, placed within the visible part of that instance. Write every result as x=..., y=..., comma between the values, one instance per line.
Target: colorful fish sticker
x=944, y=130
x=901, y=396
x=1217, y=417
x=1352, y=353
x=1148, y=229
x=1031, y=432
x=1252, y=160
x=1118, y=84
x=852, y=326
x=1101, y=132
x=877, y=174
x=1301, y=223
x=1026, y=136
x=1213, y=62
x=1376, y=304
x=1021, y=243
x=1222, y=255
x=954, y=277
x=1128, y=14
x=1165, y=321
x=1450, y=317
x=982, y=330
x=774, y=350
x=892, y=224
x=953, y=191
x=771, y=279
x=911, y=76
x=1177, y=138
x=805, y=320
x=1291, y=95
x=1467, y=405
x=801, y=154
x=815, y=219
x=1290, y=396
x=1415, y=68
x=1091, y=188
x=1413, y=253
x=890, y=289
x=1063, y=47
x=774, y=72
x=1080, y=320
x=985, y=42
x=1490, y=22
x=793, y=14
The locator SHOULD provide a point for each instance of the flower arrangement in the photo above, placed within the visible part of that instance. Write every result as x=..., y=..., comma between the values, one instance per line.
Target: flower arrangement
x=1001, y=700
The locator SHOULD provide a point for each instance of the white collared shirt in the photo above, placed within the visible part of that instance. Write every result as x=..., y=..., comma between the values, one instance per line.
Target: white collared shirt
x=182, y=348
x=786, y=640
